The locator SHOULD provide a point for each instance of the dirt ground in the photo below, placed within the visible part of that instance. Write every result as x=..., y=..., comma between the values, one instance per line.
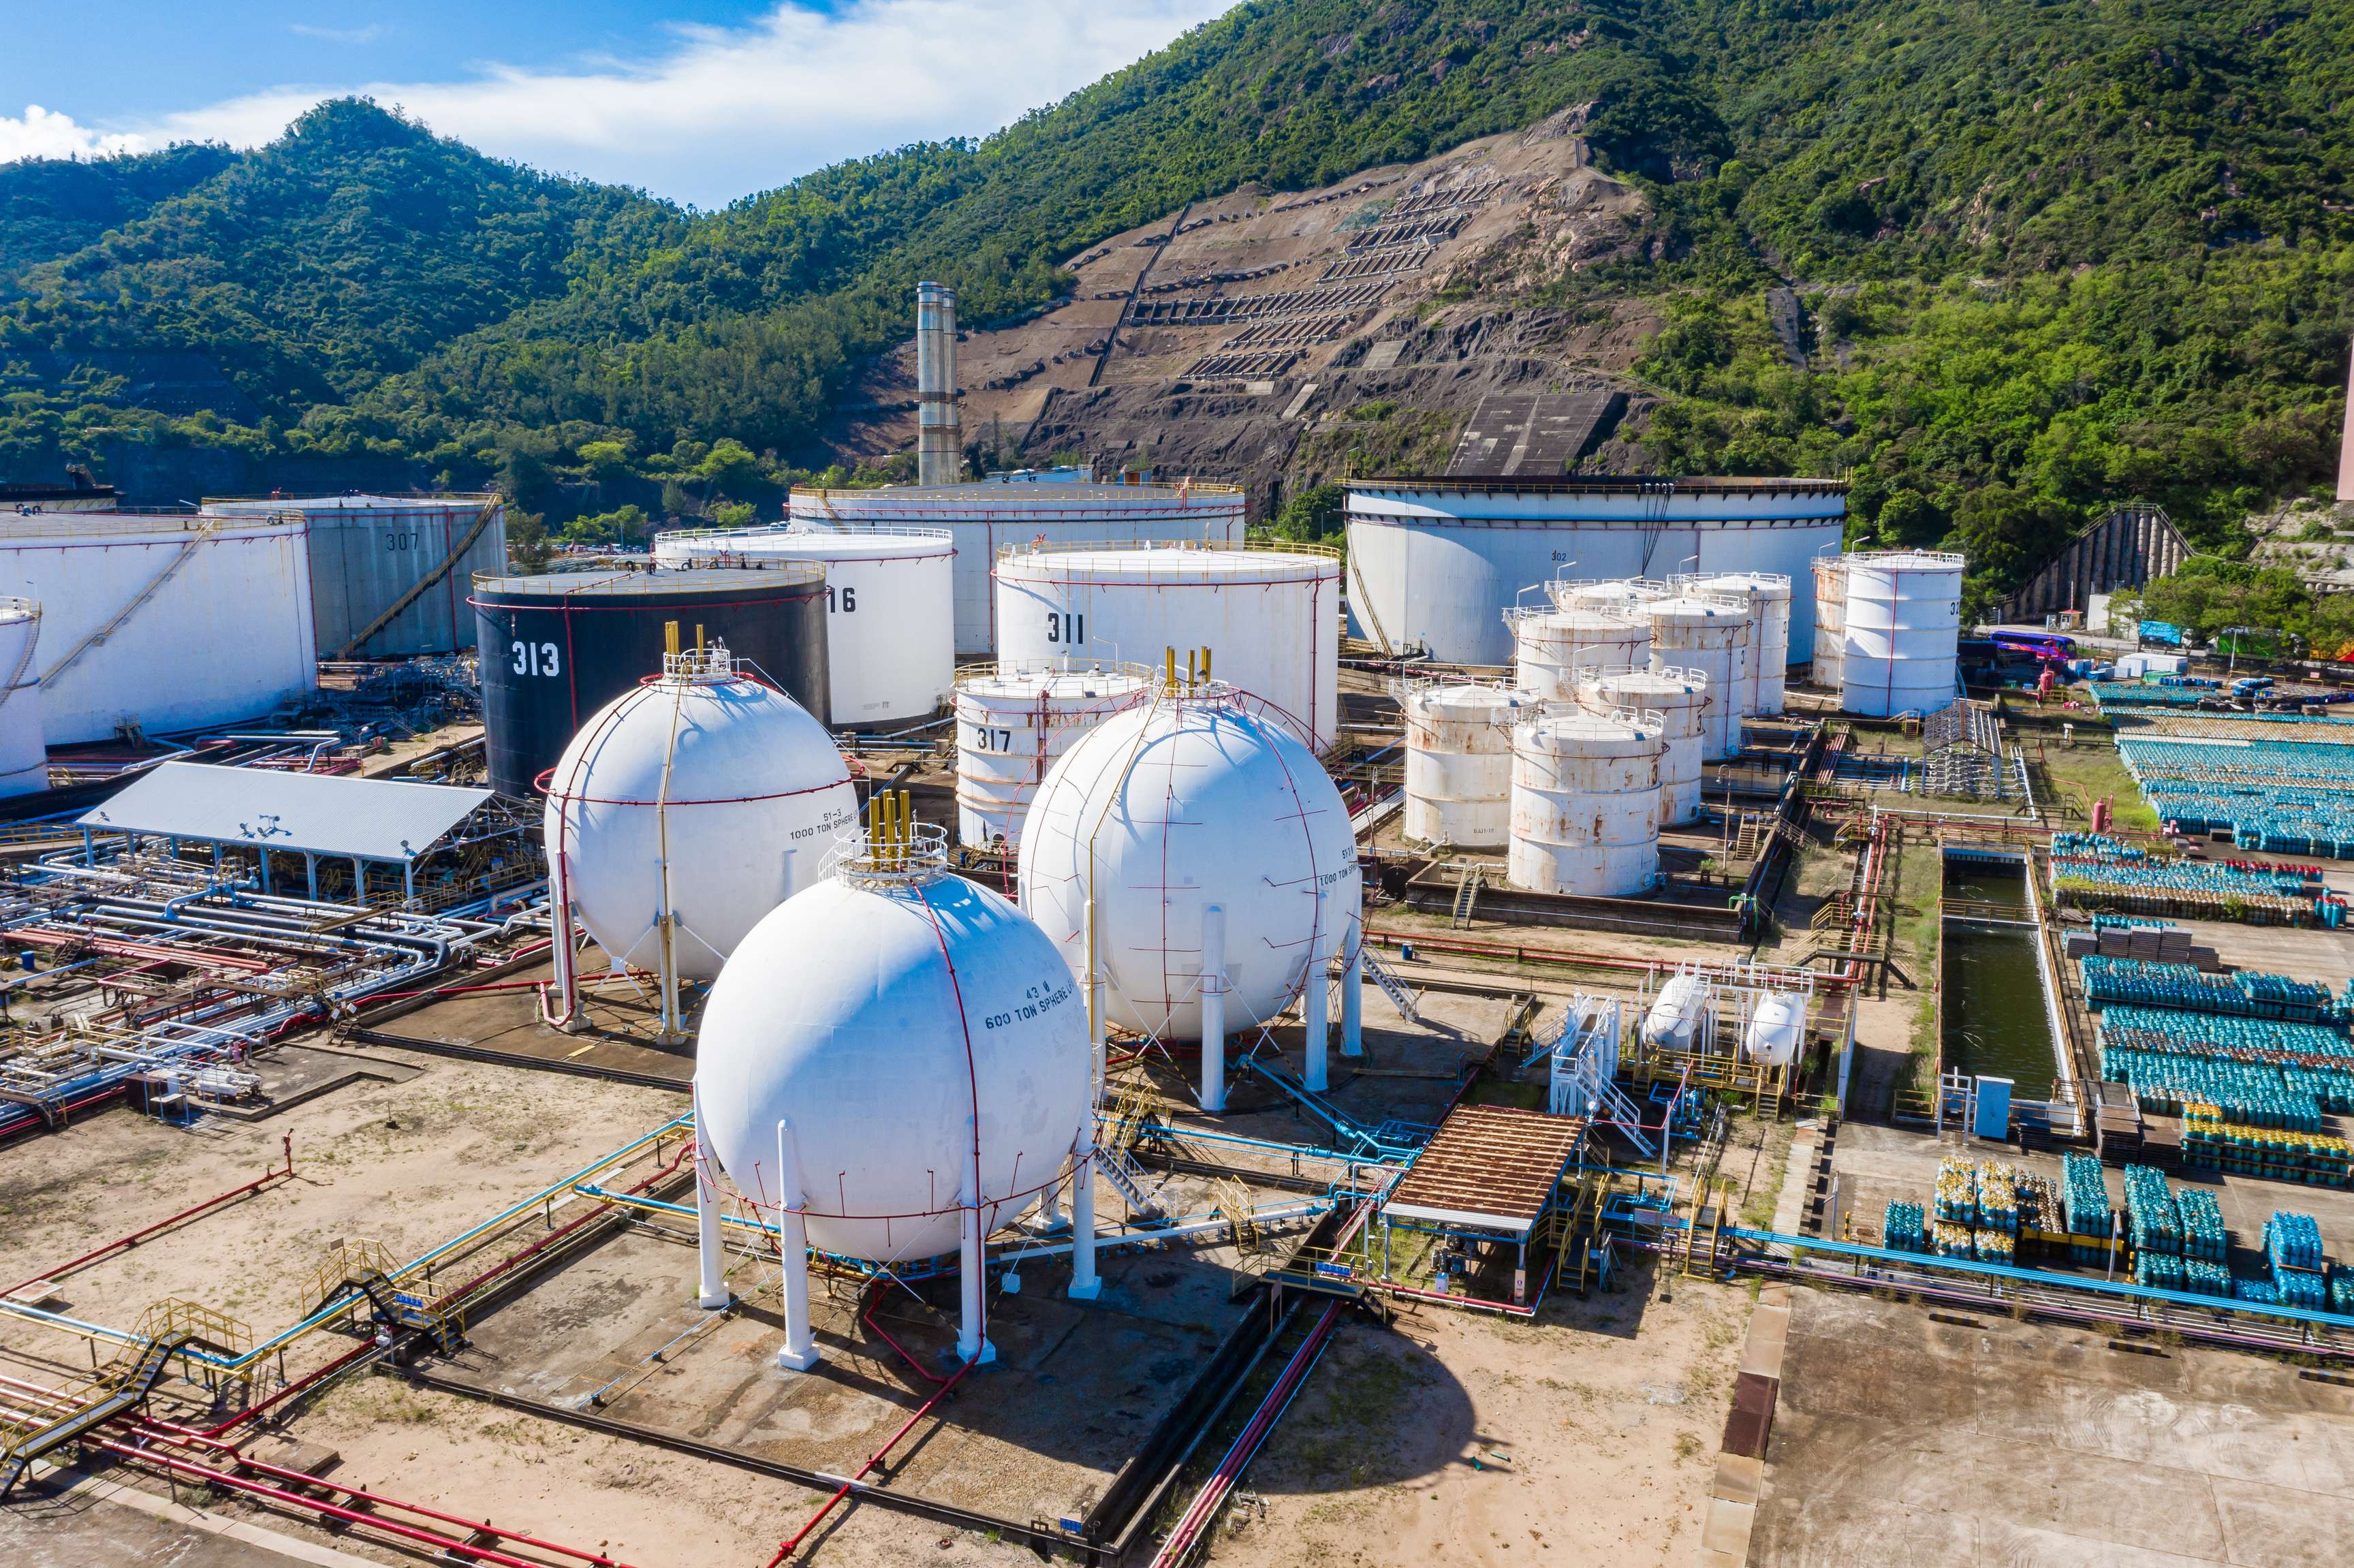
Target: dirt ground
x=1587, y=1436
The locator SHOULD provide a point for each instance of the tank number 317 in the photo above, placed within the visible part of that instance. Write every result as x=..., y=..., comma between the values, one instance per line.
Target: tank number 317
x=536, y=658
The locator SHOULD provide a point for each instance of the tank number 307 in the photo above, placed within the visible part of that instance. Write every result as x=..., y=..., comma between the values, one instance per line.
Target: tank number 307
x=536, y=658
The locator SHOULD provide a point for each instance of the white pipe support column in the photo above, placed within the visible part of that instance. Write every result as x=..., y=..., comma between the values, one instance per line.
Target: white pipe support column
x=972, y=1341
x=799, y=1352
x=1086, y=1285
x=1213, y=1010
x=1352, y=1002
x=711, y=1287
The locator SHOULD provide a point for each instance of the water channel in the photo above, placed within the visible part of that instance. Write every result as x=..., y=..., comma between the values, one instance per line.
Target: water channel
x=1996, y=1024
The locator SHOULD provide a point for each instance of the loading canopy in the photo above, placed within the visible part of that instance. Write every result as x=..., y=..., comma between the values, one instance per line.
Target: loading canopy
x=306, y=813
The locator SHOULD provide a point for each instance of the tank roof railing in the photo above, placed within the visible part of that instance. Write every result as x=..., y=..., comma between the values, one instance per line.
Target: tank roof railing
x=634, y=577
x=1917, y=560
x=1042, y=547
x=1600, y=484
x=1060, y=665
x=980, y=489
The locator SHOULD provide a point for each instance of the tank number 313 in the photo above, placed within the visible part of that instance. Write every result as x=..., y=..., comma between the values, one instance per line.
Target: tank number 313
x=536, y=658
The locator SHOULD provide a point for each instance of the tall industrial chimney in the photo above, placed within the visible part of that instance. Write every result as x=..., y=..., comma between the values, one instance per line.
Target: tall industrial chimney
x=939, y=433
x=2346, y=446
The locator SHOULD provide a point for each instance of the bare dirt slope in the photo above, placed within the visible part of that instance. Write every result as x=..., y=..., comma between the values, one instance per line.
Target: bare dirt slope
x=1223, y=339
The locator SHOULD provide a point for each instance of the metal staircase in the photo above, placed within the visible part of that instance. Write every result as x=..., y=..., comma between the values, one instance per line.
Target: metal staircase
x=165, y=1331
x=1116, y=1133
x=360, y=1270
x=1407, y=1003
x=1466, y=897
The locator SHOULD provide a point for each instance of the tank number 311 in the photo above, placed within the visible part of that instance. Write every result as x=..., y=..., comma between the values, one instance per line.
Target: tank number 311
x=536, y=658
x=1065, y=626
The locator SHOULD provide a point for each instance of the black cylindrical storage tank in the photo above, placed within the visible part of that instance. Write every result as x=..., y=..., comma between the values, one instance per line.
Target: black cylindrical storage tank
x=556, y=648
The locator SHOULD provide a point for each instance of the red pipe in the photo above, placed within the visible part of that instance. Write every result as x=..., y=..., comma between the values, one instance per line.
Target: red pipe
x=135, y=1238
x=866, y=1316
x=873, y=1460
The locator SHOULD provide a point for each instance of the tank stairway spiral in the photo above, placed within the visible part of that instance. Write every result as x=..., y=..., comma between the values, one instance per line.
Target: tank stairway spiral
x=1402, y=997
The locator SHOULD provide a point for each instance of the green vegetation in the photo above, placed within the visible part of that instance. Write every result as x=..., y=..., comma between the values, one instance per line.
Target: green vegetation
x=2049, y=256
x=2209, y=594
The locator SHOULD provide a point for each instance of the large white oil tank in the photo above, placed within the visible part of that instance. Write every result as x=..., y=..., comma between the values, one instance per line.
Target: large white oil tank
x=923, y=1040
x=1156, y=814
x=890, y=609
x=162, y=622
x=1585, y=804
x=1433, y=562
x=1013, y=728
x=390, y=573
x=1269, y=618
x=24, y=759
x=1680, y=698
x=1830, y=623
x=985, y=518
x=1458, y=761
x=1768, y=594
x=1904, y=621
x=1550, y=646
x=703, y=792
x=1713, y=636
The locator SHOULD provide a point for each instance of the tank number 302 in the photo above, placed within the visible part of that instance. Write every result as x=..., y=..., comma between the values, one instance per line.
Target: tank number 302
x=536, y=658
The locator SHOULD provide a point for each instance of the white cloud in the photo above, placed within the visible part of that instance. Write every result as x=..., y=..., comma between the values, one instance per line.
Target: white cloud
x=40, y=133
x=728, y=112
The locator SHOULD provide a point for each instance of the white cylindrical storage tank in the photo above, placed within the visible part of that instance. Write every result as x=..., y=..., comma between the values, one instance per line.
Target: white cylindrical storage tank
x=1585, y=804
x=921, y=1039
x=372, y=555
x=1711, y=636
x=890, y=609
x=163, y=623
x=1433, y=561
x=24, y=757
x=1830, y=623
x=1675, y=1014
x=1777, y=1029
x=1269, y=618
x=1903, y=621
x=705, y=793
x=1627, y=596
x=1551, y=646
x=984, y=518
x=1767, y=594
x=1458, y=762
x=1680, y=698
x=1012, y=729
x=1166, y=810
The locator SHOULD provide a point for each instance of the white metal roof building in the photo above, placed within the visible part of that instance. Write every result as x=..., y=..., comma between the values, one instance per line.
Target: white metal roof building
x=315, y=815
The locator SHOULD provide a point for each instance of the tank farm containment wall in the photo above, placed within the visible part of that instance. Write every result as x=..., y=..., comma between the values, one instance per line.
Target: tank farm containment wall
x=1269, y=618
x=370, y=554
x=985, y=518
x=556, y=649
x=162, y=622
x=890, y=609
x=1433, y=562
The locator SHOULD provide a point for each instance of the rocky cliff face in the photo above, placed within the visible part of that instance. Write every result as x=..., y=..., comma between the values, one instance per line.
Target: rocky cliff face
x=1277, y=339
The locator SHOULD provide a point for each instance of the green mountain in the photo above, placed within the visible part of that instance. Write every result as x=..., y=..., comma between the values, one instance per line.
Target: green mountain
x=2047, y=256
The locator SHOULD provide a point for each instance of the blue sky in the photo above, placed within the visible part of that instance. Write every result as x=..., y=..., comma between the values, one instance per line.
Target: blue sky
x=702, y=101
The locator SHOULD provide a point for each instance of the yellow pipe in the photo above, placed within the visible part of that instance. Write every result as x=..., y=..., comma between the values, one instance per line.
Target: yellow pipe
x=670, y=638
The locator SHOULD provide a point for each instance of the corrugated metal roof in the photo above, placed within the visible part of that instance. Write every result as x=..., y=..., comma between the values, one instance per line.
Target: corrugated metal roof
x=320, y=813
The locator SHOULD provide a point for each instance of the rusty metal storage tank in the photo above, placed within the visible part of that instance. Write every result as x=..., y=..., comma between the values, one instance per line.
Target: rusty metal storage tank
x=555, y=647
x=1585, y=804
x=1458, y=761
x=390, y=573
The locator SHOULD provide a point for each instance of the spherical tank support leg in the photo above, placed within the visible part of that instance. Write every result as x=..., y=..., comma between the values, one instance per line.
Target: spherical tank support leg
x=972, y=1345
x=1314, y=1011
x=712, y=1289
x=799, y=1352
x=1213, y=1010
x=1086, y=1285
x=1352, y=1004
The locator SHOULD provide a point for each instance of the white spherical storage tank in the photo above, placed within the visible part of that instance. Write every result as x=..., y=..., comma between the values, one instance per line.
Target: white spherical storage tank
x=24, y=759
x=1458, y=762
x=890, y=609
x=165, y=622
x=1680, y=698
x=1167, y=810
x=1012, y=729
x=985, y=518
x=1271, y=620
x=1713, y=636
x=704, y=793
x=1551, y=646
x=1585, y=804
x=1767, y=594
x=1904, y=623
x=925, y=1044
x=1830, y=623
x=1433, y=561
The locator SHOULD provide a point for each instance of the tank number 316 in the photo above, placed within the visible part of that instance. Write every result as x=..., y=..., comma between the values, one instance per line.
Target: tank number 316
x=536, y=658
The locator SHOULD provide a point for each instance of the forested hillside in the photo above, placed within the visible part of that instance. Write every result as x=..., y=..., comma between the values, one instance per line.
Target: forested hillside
x=2053, y=255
